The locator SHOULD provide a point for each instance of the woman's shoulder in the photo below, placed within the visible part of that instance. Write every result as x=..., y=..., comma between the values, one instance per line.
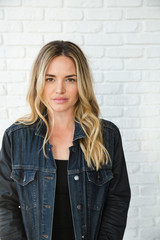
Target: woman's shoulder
x=16, y=126
x=108, y=126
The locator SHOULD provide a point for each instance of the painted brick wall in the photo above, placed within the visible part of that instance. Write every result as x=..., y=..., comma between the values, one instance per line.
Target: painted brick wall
x=121, y=39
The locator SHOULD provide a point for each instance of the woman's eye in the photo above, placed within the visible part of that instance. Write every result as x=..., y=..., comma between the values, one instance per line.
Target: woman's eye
x=49, y=79
x=71, y=79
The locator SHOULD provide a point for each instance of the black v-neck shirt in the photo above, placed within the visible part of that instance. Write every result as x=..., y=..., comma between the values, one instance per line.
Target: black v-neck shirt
x=62, y=221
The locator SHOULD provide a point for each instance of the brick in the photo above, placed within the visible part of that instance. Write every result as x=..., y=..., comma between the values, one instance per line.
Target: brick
x=130, y=234
x=101, y=64
x=108, y=88
x=142, y=88
x=10, y=3
x=150, y=123
x=121, y=52
x=143, y=13
x=4, y=123
x=103, y=14
x=3, y=114
x=142, y=157
x=12, y=101
x=111, y=112
x=151, y=99
x=122, y=27
x=134, y=168
x=141, y=111
x=143, y=201
x=132, y=146
x=97, y=77
x=42, y=27
x=32, y=52
x=17, y=89
x=18, y=112
x=146, y=146
x=150, y=190
x=143, y=38
x=141, y=134
x=153, y=52
x=150, y=233
x=3, y=91
x=152, y=3
x=120, y=76
x=42, y=3
x=22, y=39
x=78, y=39
x=121, y=100
x=151, y=76
x=136, y=222
x=152, y=26
x=12, y=52
x=2, y=52
x=11, y=26
x=141, y=64
x=83, y=27
x=22, y=64
x=143, y=179
x=8, y=77
x=83, y=3
x=103, y=40
x=93, y=52
x=63, y=14
x=123, y=3
x=99, y=99
x=135, y=192
x=110, y=64
x=1, y=14
x=127, y=123
x=24, y=13
x=133, y=212
x=154, y=167
x=2, y=64
x=156, y=145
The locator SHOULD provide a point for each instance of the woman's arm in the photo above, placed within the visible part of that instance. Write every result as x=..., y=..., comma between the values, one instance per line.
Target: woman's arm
x=114, y=215
x=11, y=226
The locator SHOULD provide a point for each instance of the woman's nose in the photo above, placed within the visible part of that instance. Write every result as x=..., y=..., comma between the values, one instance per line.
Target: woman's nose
x=60, y=87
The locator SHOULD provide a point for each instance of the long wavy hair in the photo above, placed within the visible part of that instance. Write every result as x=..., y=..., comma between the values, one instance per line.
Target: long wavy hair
x=86, y=109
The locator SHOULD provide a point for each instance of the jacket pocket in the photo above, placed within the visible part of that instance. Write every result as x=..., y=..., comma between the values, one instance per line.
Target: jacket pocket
x=97, y=187
x=100, y=177
x=23, y=177
x=26, y=184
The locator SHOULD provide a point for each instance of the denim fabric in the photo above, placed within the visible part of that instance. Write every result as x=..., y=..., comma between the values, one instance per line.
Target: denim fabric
x=99, y=199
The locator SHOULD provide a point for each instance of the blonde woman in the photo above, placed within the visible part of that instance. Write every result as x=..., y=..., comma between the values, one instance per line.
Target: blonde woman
x=62, y=169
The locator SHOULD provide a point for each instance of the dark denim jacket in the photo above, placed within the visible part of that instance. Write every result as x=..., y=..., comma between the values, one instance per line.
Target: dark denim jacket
x=99, y=200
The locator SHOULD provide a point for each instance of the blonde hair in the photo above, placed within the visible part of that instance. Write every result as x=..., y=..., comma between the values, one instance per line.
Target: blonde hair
x=86, y=109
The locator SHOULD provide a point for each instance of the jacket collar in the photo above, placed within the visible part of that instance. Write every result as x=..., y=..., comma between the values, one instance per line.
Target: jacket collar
x=78, y=132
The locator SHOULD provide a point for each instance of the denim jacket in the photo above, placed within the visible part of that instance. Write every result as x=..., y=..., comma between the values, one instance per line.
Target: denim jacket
x=99, y=199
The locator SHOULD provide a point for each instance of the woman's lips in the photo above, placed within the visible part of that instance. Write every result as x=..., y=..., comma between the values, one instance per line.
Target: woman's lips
x=60, y=100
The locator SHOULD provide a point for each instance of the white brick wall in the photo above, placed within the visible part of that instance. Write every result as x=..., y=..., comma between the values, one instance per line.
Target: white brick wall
x=121, y=39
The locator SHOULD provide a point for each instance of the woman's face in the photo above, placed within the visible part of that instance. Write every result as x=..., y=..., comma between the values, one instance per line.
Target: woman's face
x=61, y=90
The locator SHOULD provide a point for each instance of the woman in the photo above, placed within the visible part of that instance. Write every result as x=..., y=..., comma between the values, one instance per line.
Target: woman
x=62, y=169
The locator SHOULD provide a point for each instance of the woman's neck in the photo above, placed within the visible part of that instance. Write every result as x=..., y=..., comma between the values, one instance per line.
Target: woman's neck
x=61, y=121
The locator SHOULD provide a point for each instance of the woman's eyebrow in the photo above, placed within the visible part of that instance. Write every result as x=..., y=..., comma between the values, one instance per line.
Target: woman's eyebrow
x=71, y=75
x=50, y=75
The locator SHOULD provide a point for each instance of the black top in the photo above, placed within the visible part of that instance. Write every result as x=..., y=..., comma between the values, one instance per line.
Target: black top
x=62, y=221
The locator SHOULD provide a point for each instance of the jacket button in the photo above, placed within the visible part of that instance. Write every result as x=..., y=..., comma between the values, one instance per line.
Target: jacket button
x=79, y=206
x=76, y=178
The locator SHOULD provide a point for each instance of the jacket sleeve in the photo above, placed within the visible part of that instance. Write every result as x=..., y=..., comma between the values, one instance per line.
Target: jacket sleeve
x=11, y=226
x=116, y=206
